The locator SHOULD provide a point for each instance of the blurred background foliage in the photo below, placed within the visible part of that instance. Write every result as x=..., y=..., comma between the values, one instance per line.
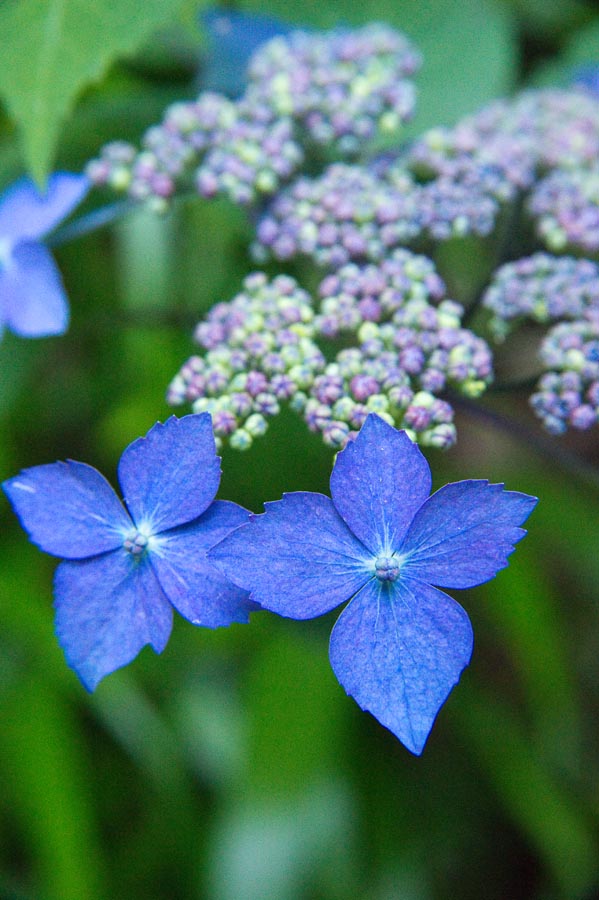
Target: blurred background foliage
x=233, y=767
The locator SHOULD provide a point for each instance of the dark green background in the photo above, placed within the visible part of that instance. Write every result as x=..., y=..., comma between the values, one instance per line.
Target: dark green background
x=233, y=767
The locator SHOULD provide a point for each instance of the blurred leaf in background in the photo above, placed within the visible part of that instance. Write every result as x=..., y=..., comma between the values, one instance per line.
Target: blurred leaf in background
x=53, y=49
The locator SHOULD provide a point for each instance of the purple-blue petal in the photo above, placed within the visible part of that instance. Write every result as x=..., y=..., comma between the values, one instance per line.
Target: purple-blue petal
x=32, y=295
x=192, y=583
x=171, y=475
x=28, y=214
x=298, y=559
x=68, y=509
x=107, y=609
x=463, y=534
x=398, y=651
x=378, y=483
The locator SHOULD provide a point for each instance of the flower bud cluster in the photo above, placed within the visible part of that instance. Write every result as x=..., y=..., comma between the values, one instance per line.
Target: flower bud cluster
x=341, y=88
x=561, y=127
x=489, y=158
x=250, y=158
x=542, y=288
x=495, y=165
x=260, y=352
x=450, y=208
x=336, y=89
x=356, y=294
x=170, y=151
x=397, y=373
x=566, y=207
x=355, y=213
x=347, y=213
x=568, y=394
x=237, y=148
x=407, y=352
x=262, y=349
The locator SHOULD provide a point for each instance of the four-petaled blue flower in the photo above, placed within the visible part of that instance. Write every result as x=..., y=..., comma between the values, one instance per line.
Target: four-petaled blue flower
x=400, y=645
x=33, y=302
x=126, y=568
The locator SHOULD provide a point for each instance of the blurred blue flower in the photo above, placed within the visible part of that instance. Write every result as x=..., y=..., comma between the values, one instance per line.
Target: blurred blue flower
x=33, y=302
x=400, y=645
x=587, y=76
x=127, y=566
x=233, y=36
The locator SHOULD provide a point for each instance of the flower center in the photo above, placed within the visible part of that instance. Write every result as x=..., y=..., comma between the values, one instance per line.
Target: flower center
x=136, y=543
x=386, y=568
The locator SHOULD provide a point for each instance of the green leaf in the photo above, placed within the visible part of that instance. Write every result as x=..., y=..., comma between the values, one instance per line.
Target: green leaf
x=551, y=816
x=524, y=606
x=469, y=51
x=49, y=791
x=53, y=49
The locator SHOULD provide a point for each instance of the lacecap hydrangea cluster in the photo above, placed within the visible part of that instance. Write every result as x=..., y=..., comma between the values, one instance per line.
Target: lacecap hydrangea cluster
x=299, y=146
x=568, y=393
x=563, y=290
x=332, y=93
x=539, y=149
x=268, y=346
x=542, y=288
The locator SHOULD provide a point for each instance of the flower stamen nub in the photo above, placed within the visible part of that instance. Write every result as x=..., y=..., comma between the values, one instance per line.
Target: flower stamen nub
x=386, y=568
x=136, y=543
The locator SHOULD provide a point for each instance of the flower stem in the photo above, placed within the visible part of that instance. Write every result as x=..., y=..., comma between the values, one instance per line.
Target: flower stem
x=92, y=221
x=544, y=445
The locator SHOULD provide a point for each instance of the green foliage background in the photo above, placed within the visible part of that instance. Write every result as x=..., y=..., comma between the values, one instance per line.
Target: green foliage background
x=233, y=767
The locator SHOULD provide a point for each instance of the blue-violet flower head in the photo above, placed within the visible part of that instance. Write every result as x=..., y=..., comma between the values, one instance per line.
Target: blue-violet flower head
x=126, y=566
x=380, y=541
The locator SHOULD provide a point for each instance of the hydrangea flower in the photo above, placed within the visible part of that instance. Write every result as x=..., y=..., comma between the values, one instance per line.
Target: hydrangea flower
x=400, y=645
x=126, y=566
x=565, y=206
x=540, y=287
x=32, y=297
x=568, y=393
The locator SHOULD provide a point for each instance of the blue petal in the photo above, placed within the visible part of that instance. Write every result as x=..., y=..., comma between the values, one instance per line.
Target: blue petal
x=192, y=583
x=32, y=294
x=233, y=38
x=464, y=533
x=378, y=483
x=298, y=559
x=68, y=509
x=171, y=475
x=587, y=76
x=107, y=609
x=398, y=651
x=25, y=213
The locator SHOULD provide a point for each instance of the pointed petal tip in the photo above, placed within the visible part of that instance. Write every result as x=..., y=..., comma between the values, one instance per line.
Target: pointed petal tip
x=400, y=655
x=375, y=424
x=90, y=676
